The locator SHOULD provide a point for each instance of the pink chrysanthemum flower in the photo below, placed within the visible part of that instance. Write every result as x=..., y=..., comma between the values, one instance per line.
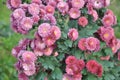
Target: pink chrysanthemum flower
x=80, y=64
x=66, y=77
x=29, y=69
x=94, y=67
x=106, y=34
x=81, y=44
x=34, y=9
x=38, y=52
x=36, y=1
x=35, y=19
x=44, y=29
x=55, y=32
x=97, y=3
x=74, y=13
x=95, y=15
x=28, y=57
x=49, y=9
x=82, y=21
x=49, y=40
x=18, y=13
x=26, y=23
x=50, y=18
x=63, y=7
x=108, y=20
x=70, y=60
x=92, y=43
x=106, y=3
x=48, y=51
x=73, y=34
x=77, y=3
x=22, y=76
x=52, y=3
x=11, y=4
x=118, y=55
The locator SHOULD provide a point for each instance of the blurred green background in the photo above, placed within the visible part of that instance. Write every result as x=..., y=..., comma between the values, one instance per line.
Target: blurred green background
x=8, y=39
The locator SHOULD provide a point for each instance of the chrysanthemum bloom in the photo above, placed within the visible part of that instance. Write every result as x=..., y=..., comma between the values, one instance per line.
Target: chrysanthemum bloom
x=50, y=18
x=70, y=60
x=110, y=12
x=28, y=56
x=80, y=64
x=24, y=6
x=74, y=13
x=89, y=7
x=94, y=14
x=106, y=3
x=35, y=19
x=82, y=21
x=105, y=57
x=38, y=52
x=29, y=68
x=15, y=51
x=77, y=76
x=118, y=55
x=94, y=67
x=108, y=20
x=97, y=3
x=22, y=76
x=44, y=29
x=48, y=51
x=18, y=13
x=73, y=34
x=81, y=44
x=49, y=9
x=26, y=23
x=63, y=7
x=70, y=69
x=12, y=4
x=92, y=43
x=37, y=1
x=49, y=40
x=55, y=32
x=52, y=3
x=39, y=44
x=78, y=3
x=106, y=34
x=66, y=77
x=34, y=9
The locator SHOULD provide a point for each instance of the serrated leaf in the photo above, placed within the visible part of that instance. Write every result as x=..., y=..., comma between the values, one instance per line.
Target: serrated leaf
x=57, y=74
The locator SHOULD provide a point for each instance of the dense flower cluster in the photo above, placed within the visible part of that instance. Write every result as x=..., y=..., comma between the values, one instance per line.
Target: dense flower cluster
x=56, y=37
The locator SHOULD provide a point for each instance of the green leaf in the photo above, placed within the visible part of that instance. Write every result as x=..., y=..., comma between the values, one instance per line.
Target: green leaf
x=68, y=43
x=41, y=76
x=57, y=74
x=108, y=51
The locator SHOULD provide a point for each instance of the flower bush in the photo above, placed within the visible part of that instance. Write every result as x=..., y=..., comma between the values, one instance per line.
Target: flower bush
x=65, y=40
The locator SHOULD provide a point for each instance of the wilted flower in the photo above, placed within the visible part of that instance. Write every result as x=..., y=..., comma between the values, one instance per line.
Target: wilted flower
x=74, y=13
x=73, y=34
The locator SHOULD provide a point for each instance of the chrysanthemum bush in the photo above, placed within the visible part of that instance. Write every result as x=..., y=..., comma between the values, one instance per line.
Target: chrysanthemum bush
x=65, y=40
